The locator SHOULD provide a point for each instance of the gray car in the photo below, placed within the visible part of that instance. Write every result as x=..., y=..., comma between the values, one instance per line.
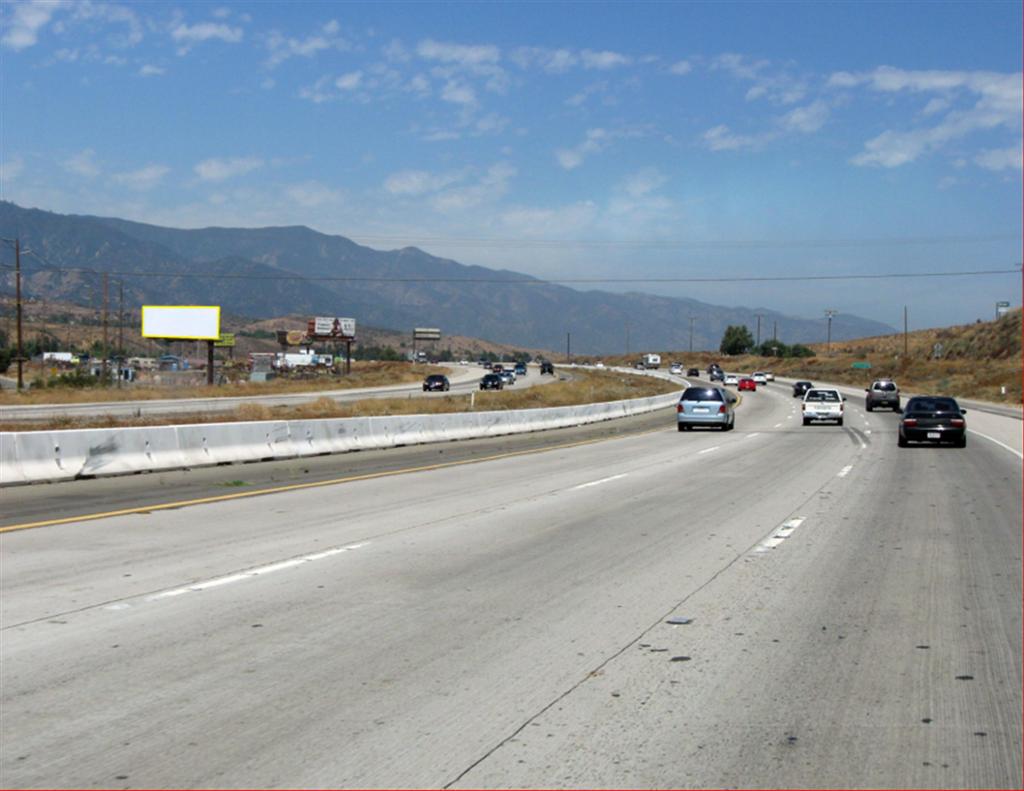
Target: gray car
x=883, y=392
x=706, y=406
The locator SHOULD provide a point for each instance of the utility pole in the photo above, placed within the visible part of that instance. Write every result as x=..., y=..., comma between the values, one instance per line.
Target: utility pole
x=692, y=318
x=106, y=346
x=829, y=313
x=627, y=339
x=775, y=331
x=568, y=347
x=905, y=339
x=759, y=317
x=120, y=329
x=17, y=298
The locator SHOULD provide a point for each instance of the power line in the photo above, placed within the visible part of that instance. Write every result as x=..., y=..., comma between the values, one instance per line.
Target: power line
x=684, y=243
x=529, y=281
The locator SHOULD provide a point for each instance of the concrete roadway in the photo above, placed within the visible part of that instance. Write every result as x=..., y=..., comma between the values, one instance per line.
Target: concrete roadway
x=856, y=621
x=464, y=380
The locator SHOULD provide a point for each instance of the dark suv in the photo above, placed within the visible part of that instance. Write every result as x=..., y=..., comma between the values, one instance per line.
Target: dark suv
x=801, y=387
x=492, y=382
x=547, y=368
x=883, y=392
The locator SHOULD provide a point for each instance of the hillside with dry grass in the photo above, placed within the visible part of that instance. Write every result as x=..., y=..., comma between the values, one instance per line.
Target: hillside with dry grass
x=978, y=361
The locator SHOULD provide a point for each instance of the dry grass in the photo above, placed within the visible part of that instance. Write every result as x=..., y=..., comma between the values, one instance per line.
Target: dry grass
x=364, y=374
x=587, y=387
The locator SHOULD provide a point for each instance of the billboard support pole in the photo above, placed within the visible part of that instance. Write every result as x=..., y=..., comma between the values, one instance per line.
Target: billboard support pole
x=348, y=357
x=209, y=362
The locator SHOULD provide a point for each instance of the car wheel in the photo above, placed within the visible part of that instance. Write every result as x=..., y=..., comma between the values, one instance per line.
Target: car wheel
x=901, y=441
x=867, y=407
x=962, y=442
x=446, y=388
x=681, y=426
x=839, y=422
x=807, y=422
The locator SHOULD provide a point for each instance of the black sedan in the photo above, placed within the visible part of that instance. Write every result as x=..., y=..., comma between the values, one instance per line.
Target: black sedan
x=693, y=372
x=492, y=382
x=800, y=388
x=436, y=382
x=933, y=419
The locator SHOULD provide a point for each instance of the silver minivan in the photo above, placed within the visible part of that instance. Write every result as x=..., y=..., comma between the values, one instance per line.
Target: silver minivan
x=706, y=406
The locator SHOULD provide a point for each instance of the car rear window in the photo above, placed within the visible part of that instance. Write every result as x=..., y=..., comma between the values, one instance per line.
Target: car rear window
x=435, y=378
x=933, y=405
x=702, y=394
x=886, y=386
x=822, y=395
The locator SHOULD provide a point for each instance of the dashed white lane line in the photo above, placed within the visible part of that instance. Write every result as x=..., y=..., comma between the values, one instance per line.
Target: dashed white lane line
x=755, y=434
x=777, y=425
x=845, y=471
x=708, y=450
x=218, y=582
x=599, y=482
x=780, y=535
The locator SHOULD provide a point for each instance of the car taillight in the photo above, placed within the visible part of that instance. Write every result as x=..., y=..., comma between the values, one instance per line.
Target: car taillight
x=910, y=421
x=721, y=409
x=679, y=408
x=803, y=407
x=957, y=421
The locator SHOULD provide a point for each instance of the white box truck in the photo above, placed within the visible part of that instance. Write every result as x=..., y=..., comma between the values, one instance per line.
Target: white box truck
x=652, y=360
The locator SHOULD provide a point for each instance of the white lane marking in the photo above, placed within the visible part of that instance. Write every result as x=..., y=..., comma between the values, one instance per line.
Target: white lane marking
x=845, y=471
x=217, y=582
x=755, y=434
x=781, y=534
x=707, y=450
x=599, y=482
x=867, y=431
x=777, y=425
x=1016, y=453
x=789, y=417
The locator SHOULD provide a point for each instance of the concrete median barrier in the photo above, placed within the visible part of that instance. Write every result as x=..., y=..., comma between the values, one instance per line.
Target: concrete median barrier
x=30, y=457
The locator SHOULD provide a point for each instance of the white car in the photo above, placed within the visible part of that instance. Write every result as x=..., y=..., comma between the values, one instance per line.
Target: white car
x=676, y=369
x=823, y=403
x=732, y=379
x=759, y=377
x=599, y=364
x=769, y=376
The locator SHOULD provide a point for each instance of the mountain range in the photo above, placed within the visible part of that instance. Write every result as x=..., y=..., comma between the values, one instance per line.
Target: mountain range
x=263, y=272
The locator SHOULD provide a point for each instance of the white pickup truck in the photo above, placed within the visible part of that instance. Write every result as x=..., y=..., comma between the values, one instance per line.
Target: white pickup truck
x=823, y=403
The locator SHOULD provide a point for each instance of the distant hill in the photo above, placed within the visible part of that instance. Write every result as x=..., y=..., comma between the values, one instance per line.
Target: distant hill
x=265, y=272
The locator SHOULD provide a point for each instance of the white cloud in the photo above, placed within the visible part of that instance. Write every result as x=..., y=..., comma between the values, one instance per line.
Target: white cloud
x=806, y=119
x=222, y=169
x=935, y=106
x=458, y=93
x=188, y=35
x=680, y=67
x=284, y=47
x=603, y=60
x=83, y=164
x=644, y=182
x=142, y=179
x=491, y=186
x=419, y=85
x=151, y=71
x=312, y=194
x=26, y=21
x=580, y=98
x=779, y=87
x=553, y=61
x=527, y=221
x=461, y=54
x=998, y=104
x=1000, y=159
x=721, y=138
x=349, y=82
x=420, y=182
x=221, y=13
x=12, y=168
x=595, y=140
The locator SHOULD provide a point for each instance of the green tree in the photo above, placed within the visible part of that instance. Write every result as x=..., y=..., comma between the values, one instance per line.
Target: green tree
x=736, y=340
x=799, y=350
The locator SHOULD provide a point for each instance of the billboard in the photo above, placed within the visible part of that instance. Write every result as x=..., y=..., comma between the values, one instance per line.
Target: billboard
x=181, y=322
x=426, y=334
x=226, y=340
x=333, y=327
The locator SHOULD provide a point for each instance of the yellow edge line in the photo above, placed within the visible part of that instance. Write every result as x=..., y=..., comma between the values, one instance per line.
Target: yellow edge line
x=220, y=498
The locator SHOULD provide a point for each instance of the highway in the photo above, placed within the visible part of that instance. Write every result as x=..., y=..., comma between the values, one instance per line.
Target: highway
x=464, y=380
x=496, y=614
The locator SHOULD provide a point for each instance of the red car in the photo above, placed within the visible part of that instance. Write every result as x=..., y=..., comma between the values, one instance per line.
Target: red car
x=746, y=383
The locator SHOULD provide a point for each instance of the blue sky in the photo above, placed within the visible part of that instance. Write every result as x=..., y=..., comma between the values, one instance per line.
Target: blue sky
x=574, y=141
